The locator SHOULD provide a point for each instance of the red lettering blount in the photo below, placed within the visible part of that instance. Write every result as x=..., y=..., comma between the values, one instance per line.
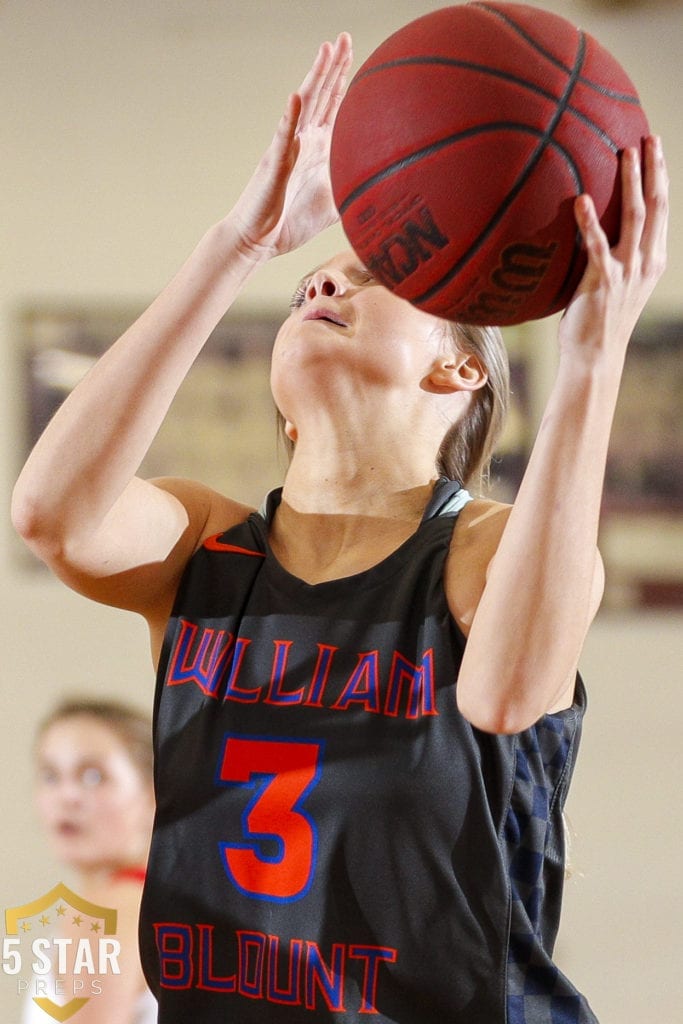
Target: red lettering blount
x=207, y=978
x=373, y=956
x=270, y=968
x=290, y=994
x=176, y=955
x=328, y=979
x=251, y=958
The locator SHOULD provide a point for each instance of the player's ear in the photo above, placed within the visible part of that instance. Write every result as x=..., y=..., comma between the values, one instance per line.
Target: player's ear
x=290, y=431
x=456, y=372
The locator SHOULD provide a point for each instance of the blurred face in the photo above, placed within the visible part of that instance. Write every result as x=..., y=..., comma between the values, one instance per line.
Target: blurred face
x=92, y=800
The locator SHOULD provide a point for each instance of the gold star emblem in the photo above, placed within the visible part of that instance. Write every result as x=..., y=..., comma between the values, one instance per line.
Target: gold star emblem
x=26, y=926
x=78, y=921
x=44, y=920
x=95, y=926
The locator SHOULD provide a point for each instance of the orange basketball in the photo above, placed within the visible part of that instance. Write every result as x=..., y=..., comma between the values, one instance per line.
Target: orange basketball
x=460, y=147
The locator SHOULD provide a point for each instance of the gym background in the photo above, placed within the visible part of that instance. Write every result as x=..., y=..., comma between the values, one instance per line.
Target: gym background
x=127, y=128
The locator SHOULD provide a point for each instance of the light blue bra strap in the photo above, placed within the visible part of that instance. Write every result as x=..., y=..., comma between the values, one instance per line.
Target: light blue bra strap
x=269, y=504
x=448, y=499
x=455, y=503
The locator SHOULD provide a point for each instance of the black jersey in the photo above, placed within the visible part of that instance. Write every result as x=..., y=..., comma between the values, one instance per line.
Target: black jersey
x=334, y=842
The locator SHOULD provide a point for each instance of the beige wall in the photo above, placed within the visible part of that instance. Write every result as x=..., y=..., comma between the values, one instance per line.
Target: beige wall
x=127, y=127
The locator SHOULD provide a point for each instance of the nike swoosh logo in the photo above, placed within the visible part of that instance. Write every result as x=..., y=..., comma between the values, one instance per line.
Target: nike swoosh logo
x=214, y=544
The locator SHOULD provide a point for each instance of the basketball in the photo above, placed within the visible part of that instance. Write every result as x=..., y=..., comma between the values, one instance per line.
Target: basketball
x=460, y=147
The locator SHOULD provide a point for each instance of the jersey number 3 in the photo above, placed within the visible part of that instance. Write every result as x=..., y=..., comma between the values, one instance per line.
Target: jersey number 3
x=276, y=860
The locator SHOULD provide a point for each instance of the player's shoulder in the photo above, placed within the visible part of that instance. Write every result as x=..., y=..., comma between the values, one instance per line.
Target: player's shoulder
x=206, y=513
x=480, y=524
x=210, y=511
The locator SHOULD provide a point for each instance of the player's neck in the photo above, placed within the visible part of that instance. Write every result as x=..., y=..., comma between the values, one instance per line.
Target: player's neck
x=319, y=546
x=369, y=479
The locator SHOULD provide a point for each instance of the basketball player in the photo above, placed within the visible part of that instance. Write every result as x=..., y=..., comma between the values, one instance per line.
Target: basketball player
x=368, y=707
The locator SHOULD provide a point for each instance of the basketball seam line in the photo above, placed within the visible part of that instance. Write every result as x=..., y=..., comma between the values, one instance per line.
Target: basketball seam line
x=602, y=89
x=485, y=69
x=435, y=147
x=519, y=184
x=535, y=45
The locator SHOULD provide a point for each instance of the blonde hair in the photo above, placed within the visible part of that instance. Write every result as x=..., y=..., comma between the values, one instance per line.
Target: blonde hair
x=467, y=448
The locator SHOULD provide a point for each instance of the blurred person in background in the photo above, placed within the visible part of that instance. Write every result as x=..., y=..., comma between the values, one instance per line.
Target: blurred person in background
x=95, y=800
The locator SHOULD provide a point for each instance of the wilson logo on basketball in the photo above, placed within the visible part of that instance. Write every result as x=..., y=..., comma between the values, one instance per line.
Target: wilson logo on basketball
x=521, y=270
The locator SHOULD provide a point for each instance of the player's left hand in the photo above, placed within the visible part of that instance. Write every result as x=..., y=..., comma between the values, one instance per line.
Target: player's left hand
x=618, y=282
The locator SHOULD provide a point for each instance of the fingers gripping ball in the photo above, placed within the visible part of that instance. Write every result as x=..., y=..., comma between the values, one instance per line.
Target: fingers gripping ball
x=460, y=147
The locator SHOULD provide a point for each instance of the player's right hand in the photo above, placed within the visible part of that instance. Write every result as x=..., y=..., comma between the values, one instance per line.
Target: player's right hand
x=289, y=197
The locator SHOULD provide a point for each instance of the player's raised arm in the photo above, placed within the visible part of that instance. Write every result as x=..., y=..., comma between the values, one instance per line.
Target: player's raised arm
x=78, y=503
x=544, y=581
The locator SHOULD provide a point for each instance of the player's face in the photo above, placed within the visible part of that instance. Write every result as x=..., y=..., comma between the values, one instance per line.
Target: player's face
x=93, y=802
x=345, y=323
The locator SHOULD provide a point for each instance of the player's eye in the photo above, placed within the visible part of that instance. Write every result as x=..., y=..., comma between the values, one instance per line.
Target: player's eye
x=91, y=777
x=299, y=295
x=363, y=276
